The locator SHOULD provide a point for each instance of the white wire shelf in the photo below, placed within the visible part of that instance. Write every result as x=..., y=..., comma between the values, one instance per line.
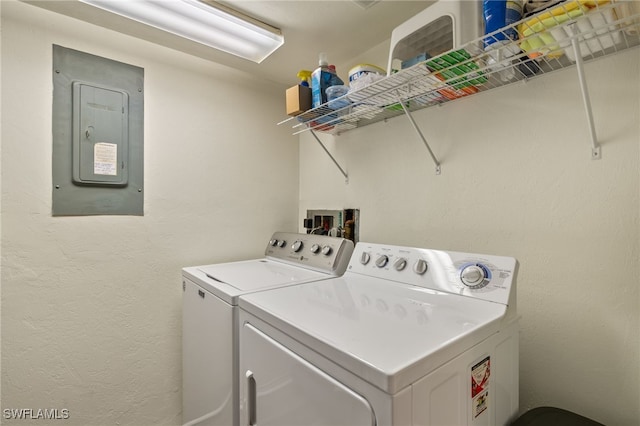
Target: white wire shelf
x=550, y=40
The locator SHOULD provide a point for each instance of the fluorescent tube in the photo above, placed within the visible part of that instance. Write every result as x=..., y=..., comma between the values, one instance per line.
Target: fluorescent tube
x=202, y=23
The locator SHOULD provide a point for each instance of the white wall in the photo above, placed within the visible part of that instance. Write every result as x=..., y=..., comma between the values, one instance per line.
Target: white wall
x=517, y=179
x=91, y=306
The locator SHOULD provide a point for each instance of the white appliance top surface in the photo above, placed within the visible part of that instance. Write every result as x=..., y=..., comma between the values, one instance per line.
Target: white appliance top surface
x=290, y=258
x=258, y=274
x=388, y=333
x=229, y=280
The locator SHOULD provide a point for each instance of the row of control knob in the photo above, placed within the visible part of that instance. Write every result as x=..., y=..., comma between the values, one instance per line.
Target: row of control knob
x=474, y=276
x=299, y=245
x=419, y=267
x=326, y=250
x=279, y=243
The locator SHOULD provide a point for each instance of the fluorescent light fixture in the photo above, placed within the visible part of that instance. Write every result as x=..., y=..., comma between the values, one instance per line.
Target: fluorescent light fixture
x=365, y=4
x=212, y=25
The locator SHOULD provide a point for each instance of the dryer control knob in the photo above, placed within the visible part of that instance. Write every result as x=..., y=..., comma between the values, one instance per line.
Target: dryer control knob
x=382, y=261
x=400, y=264
x=282, y=243
x=420, y=267
x=315, y=248
x=472, y=276
x=365, y=258
x=297, y=246
x=326, y=250
x=273, y=242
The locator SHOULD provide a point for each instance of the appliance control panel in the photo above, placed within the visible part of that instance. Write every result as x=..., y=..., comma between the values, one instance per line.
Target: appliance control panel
x=481, y=276
x=318, y=252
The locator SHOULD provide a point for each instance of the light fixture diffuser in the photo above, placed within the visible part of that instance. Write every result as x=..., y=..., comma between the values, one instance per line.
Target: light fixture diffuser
x=366, y=4
x=203, y=23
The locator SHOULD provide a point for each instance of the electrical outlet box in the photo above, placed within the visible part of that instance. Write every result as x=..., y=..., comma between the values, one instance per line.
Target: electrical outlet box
x=337, y=223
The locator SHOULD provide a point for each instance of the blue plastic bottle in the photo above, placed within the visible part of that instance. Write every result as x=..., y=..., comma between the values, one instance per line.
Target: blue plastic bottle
x=499, y=14
x=322, y=77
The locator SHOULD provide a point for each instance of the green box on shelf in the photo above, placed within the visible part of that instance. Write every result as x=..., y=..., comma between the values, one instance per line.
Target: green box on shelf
x=463, y=74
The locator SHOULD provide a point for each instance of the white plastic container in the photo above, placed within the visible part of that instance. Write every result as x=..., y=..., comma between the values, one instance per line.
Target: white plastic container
x=444, y=25
x=361, y=76
x=336, y=96
x=364, y=69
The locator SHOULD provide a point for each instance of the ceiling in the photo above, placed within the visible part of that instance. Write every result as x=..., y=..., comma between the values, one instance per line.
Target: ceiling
x=342, y=28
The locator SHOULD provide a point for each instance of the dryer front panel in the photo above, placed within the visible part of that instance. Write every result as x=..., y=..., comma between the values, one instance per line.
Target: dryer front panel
x=207, y=354
x=278, y=387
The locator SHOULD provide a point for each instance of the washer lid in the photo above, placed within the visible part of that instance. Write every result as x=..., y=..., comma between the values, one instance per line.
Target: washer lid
x=229, y=280
x=389, y=334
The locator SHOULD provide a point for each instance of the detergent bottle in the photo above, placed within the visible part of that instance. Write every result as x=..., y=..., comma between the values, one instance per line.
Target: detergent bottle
x=499, y=17
x=304, y=76
x=322, y=77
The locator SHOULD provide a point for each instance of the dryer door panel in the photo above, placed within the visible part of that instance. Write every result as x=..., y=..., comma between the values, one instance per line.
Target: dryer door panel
x=278, y=387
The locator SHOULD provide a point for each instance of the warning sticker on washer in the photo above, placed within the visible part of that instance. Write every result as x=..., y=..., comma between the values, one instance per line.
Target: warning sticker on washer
x=480, y=403
x=480, y=374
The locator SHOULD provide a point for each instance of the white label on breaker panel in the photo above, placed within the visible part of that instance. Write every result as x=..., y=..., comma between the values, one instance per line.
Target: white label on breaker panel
x=105, y=159
x=480, y=374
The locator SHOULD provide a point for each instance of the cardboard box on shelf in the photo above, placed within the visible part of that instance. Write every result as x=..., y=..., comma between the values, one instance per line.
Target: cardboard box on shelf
x=298, y=99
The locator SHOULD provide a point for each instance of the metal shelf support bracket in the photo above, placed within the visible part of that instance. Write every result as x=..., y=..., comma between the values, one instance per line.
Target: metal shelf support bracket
x=595, y=146
x=417, y=129
x=346, y=176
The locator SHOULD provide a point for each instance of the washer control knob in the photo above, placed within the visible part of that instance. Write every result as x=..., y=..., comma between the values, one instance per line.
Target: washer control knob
x=315, y=248
x=382, y=261
x=326, y=250
x=282, y=243
x=420, y=267
x=297, y=246
x=400, y=264
x=365, y=258
x=472, y=275
x=273, y=242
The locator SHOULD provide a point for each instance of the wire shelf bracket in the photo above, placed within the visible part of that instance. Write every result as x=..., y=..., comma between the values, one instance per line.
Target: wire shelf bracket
x=346, y=176
x=420, y=135
x=595, y=146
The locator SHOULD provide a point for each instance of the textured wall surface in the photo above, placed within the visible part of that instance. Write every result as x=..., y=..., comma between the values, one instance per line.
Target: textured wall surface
x=518, y=179
x=91, y=306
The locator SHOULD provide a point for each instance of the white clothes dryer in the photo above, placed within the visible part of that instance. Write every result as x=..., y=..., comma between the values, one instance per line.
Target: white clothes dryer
x=406, y=336
x=210, y=317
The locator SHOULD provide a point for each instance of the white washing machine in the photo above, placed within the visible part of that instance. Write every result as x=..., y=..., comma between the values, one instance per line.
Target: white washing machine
x=406, y=336
x=210, y=317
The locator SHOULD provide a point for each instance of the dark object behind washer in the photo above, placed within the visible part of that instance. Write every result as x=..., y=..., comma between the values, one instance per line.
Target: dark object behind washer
x=550, y=416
